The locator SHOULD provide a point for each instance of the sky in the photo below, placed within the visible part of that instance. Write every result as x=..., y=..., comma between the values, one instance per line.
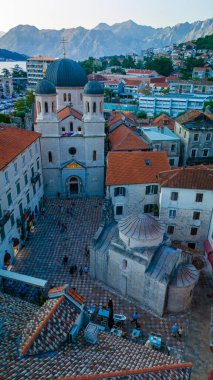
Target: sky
x=58, y=14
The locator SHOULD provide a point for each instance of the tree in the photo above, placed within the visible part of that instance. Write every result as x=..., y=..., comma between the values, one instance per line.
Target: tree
x=18, y=72
x=5, y=72
x=189, y=64
x=141, y=115
x=128, y=62
x=22, y=106
x=114, y=62
x=108, y=93
x=162, y=65
x=4, y=118
x=118, y=70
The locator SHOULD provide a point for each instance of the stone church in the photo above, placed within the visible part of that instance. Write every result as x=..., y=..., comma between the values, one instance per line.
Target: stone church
x=69, y=115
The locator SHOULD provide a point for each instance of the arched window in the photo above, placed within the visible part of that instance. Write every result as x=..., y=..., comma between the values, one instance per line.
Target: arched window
x=81, y=96
x=46, y=107
x=94, y=107
x=124, y=264
x=50, y=157
x=69, y=97
x=94, y=155
x=65, y=97
x=71, y=126
x=39, y=107
x=87, y=106
x=79, y=129
x=101, y=106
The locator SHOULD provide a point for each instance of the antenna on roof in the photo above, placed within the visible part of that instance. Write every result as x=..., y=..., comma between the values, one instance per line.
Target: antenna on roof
x=93, y=69
x=64, y=42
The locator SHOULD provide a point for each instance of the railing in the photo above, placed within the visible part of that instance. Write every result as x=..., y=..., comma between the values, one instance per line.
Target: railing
x=4, y=219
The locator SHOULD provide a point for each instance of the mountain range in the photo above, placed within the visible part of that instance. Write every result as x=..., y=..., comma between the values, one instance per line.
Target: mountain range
x=103, y=40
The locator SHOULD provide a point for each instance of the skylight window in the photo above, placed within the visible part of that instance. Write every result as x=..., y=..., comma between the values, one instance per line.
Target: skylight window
x=148, y=162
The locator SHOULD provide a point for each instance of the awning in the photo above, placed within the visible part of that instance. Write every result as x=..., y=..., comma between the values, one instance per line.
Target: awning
x=210, y=257
x=208, y=247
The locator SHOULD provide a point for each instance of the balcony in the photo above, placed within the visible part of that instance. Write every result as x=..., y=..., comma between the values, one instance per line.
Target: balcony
x=4, y=219
x=35, y=178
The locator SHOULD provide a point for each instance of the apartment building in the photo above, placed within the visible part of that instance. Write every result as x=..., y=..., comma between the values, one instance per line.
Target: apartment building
x=21, y=188
x=201, y=86
x=6, y=86
x=36, y=69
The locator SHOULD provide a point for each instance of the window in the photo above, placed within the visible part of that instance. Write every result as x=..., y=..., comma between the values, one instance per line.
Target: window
x=28, y=197
x=192, y=246
x=53, y=107
x=34, y=189
x=199, y=197
x=94, y=107
x=36, y=148
x=71, y=126
x=6, y=177
x=32, y=171
x=173, y=147
x=9, y=198
x=12, y=220
x=63, y=129
x=50, y=157
x=81, y=96
x=20, y=209
x=72, y=150
x=2, y=232
x=119, y=191
x=157, y=147
x=69, y=97
x=196, y=215
x=39, y=107
x=205, y=152
x=148, y=162
x=171, y=161
x=148, y=208
x=152, y=189
x=15, y=168
x=185, y=134
x=196, y=137
x=87, y=107
x=94, y=155
x=25, y=179
x=18, y=188
x=194, y=231
x=101, y=107
x=124, y=264
x=23, y=161
x=193, y=152
x=79, y=129
x=174, y=196
x=46, y=107
x=208, y=137
x=38, y=164
x=31, y=154
x=180, y=130
x=119, y=210
x=65, y=97
x=170, y=230
x=172, y=214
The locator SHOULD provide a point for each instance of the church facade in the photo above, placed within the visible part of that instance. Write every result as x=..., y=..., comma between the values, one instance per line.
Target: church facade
x=69, y=115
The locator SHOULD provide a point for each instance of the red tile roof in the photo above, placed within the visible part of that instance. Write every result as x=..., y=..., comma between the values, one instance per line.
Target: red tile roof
x=14, y=141
x=123, y=138
x=164, y=120
x=41, y=58
x=131, y=168
x=67, y=111
x=138, y=71
x=196, y=177
x=191, y=115
x=76, y=296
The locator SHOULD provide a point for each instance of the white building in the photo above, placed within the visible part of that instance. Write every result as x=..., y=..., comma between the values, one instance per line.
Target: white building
x=6, y=86
x=36, y=69
x=171, y=104
x=186, y=204
x=132, y=183
x=21, y=187
x=70, y=118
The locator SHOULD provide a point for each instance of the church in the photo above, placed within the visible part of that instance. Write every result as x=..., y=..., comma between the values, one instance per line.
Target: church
x=69, y=115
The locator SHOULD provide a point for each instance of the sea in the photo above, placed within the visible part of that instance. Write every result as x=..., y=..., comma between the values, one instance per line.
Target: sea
x=9, y=65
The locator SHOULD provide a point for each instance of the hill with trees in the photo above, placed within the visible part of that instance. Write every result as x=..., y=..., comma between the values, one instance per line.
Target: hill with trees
x=12, y=55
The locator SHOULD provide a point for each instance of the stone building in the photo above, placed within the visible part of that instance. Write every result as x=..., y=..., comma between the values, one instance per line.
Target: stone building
x=131, y=181
x=6, y=86
x=186, y=204
x=195, y=130
x=70, y=118
x=134, y=257
x=21, y=186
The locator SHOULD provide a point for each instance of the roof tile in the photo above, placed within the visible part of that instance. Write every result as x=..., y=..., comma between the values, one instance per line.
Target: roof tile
x=200, y=178
x=123, y=138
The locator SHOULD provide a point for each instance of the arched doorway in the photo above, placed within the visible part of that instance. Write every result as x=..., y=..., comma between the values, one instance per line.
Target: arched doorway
x=73, y=185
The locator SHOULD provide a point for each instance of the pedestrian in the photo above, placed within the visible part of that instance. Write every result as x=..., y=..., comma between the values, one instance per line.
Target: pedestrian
x=86, y=269
x=135, y=317
x=180, y=331
x=71, y=270
x=81, y=271
x=174, y=330
x=65, y=260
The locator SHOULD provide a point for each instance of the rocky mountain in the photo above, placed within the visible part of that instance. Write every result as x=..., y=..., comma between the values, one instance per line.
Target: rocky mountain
x=120, y=38
x=1, y=34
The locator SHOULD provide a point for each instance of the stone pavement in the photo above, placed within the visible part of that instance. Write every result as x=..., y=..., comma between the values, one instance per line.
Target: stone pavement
x=42, y=257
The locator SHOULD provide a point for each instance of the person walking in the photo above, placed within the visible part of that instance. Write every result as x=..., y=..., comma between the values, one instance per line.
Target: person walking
x=86, y=269
x=174, y=330
x=180, y=332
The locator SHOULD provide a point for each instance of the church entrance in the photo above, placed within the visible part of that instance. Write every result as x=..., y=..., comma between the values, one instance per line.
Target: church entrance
x=74, y=186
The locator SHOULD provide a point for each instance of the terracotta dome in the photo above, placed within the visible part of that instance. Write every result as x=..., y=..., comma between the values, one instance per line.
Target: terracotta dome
x=141, y=230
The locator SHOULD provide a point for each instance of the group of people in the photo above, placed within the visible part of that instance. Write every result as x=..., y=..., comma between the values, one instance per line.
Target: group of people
x=74, y=268
x=177, y=331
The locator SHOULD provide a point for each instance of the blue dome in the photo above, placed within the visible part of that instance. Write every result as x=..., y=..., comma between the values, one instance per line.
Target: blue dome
x=93, y=88
x=44, y=87
x=66, y=73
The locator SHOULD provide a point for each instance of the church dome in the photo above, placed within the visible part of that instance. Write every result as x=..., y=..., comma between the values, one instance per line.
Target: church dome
x=45, y=87
x=93, y=88
x=141, y=230
x=66, y=73
x=186, y=275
